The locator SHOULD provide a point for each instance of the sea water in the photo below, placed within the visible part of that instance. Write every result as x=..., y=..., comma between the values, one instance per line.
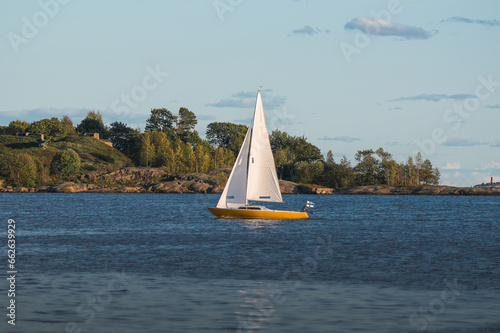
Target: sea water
x=91, y=262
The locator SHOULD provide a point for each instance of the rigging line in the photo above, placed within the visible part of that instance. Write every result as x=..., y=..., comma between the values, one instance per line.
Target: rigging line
x=248, y=158
x=250, y=147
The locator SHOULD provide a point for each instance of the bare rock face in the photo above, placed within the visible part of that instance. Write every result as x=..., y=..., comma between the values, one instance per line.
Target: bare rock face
x=104, y=190
x=157, y=180
x=215, y=190
x=198, y=187
x=69, y=187
x=43, y=189
x=322, y=190
x=128, y=189
x=287, y=187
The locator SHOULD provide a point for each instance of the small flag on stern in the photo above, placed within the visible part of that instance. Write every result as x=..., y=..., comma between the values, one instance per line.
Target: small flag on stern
x=310, y=204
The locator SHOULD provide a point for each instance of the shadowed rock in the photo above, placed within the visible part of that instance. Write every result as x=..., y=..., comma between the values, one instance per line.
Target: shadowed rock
x=157, y=180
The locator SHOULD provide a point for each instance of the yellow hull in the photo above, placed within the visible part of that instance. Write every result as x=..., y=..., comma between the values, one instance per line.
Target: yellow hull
x=258, y=214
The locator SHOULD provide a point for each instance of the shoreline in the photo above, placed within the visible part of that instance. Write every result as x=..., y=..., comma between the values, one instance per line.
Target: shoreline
x=192, y=187
x=157, y=180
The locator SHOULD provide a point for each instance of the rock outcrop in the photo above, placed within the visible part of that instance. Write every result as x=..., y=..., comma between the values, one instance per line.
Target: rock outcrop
x=157, y=180
x=124, y=175
x=70, y=187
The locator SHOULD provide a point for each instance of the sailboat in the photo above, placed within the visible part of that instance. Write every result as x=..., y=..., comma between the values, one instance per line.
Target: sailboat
x=253, y=177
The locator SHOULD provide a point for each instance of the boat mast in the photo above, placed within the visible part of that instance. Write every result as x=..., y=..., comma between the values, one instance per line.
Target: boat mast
x=248, y=160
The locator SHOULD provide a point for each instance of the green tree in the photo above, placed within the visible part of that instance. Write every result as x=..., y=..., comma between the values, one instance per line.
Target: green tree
x=402, y=175
x=202, y=156
x=176, y=163
x=187, y=157
x=124, y=138
x=386, y=165
x=66, y=162
x=226, y=135
x=185, y=123
x=284, y=160
x=347, y=173
x=161, y=120
x=93, y=124
x=428, y=174
x=367, y=167
x=22, y=169
x=332, y=175
x=410, y=172
x=162, y=147
x=418, y=165
x=281, y=140
x=436, y=175
x=303, y=150
x=329, y=157
x=306, y=151
x=391, y=170
x=67, y=125
x=17, y=126
x=52, y=128
x=310, y=172
x=223, y=158
x=146, y=150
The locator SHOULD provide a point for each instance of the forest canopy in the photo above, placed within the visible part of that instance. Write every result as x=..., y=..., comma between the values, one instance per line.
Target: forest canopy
x=170, y=141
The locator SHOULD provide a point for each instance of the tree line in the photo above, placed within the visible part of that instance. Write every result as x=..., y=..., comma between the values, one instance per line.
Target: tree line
x=170, y=141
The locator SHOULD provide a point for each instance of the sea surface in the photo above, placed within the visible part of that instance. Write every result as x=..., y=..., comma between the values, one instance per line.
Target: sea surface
x=96, y=262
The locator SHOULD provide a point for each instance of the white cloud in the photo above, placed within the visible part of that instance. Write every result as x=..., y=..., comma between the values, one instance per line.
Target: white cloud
x=385, y=28
x=451, y=166
x=488, y=165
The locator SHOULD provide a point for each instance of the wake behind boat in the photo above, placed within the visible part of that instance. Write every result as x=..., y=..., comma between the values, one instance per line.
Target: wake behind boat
x=254, y=177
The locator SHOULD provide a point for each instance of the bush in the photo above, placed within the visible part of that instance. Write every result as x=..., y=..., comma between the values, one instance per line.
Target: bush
x=24, y=171
x=66, y=162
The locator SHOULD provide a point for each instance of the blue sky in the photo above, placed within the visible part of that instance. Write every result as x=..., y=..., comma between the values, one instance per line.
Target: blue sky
x=404, y=75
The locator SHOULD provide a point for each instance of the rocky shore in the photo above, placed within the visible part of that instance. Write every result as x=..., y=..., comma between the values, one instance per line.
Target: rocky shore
x=156, y=180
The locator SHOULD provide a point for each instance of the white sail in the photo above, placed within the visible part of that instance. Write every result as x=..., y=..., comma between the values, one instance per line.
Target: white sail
x=263, y=182
x=235, y=192
x=254, y=174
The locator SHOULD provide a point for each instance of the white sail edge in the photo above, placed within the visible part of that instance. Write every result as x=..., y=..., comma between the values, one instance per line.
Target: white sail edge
x=235, y=191
x=263, y=184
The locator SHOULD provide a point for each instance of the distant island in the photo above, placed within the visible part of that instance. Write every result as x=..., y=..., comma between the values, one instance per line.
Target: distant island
x=54, y=155
x=490, y=185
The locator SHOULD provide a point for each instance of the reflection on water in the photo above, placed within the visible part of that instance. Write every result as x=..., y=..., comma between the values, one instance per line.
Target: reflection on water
x=256, y=223
x=59, y=303
x=147, y=263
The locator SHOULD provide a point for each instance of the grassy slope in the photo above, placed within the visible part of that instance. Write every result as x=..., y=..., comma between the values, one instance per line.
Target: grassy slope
x=94, y=154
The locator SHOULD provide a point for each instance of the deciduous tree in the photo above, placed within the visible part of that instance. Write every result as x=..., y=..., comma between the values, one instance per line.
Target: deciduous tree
x=17, y=126
x=66, y=162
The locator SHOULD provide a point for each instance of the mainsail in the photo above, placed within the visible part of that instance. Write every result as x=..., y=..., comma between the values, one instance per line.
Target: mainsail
x=254, y=174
